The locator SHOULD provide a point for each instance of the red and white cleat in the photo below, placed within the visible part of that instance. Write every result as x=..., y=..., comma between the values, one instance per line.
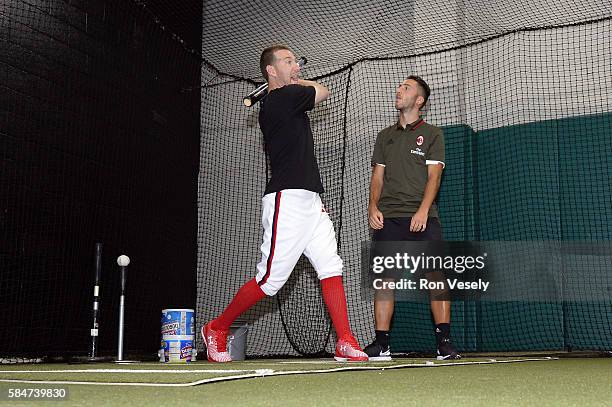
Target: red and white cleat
x=216, y=344
x=348, y=350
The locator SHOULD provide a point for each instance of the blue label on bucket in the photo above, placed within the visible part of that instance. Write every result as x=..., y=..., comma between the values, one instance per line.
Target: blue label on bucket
x=177, y=322
x=177, y=350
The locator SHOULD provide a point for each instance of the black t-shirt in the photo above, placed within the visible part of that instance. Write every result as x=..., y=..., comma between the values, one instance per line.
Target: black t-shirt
x=288, y=136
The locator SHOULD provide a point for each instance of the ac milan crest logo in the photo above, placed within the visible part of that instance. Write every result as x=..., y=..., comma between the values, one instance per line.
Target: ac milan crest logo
x=419, y=140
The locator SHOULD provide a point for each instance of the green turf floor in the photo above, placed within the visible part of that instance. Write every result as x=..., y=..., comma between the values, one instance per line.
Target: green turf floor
x=564, y=382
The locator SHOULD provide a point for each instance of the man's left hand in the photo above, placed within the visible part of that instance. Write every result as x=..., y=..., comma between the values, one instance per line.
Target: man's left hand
x=419, y=221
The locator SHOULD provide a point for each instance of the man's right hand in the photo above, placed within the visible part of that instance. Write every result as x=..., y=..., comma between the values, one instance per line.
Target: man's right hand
x=375, y=217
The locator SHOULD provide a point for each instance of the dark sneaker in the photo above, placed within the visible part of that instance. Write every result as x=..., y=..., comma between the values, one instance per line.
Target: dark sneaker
x=447, y=351
x=377, y=353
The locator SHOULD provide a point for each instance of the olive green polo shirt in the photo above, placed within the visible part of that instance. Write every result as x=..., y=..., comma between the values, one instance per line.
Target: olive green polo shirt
x=405, y=154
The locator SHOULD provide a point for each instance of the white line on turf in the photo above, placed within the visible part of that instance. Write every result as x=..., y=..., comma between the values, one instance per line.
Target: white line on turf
x=68, y=382
x=145, y=371
x=270, y=372
x=309, y=362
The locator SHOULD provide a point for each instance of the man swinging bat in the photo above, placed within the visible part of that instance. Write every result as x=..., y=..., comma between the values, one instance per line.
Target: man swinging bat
x=293, y=217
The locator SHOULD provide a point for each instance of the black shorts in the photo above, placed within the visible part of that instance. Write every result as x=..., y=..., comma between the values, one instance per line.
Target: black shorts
x=386, y=242
x=398, y=229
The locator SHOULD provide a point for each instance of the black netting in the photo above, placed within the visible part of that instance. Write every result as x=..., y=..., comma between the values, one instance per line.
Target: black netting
x=98, y=143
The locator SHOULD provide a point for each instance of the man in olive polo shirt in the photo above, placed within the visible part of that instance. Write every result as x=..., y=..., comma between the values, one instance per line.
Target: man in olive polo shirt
x=407, y=167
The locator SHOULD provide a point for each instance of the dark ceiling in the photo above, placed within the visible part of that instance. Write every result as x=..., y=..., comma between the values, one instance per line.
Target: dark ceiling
x=183, y=18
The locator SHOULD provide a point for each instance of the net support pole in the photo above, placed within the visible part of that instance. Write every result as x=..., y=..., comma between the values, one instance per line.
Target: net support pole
x=96, y=302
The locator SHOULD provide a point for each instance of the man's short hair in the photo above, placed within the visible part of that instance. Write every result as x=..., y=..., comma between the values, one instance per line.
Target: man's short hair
x=426, y=91
x=267, y=57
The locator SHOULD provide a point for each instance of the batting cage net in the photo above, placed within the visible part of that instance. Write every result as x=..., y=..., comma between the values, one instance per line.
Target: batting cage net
x=98, y=143
x=523, y=91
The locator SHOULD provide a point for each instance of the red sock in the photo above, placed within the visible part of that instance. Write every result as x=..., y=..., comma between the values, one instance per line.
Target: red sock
x=248, y=295
x=333, y=294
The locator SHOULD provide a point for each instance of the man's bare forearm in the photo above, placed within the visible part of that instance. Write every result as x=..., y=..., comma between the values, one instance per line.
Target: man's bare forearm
x=322, y=92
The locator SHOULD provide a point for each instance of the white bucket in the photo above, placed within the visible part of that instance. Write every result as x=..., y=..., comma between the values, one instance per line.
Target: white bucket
x=177, y=321
x=176, y=348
